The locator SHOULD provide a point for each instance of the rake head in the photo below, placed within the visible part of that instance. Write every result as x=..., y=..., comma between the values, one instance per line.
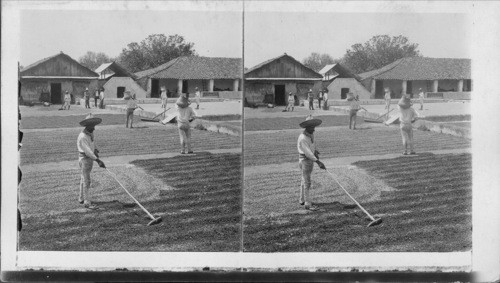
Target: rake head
x=155, y=221
x=375, y=222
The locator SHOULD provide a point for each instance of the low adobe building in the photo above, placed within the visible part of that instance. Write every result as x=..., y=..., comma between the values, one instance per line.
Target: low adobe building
x=214, y=76
x=338, y=81
x=447, y=78
x=48, y=79
x=115, y=79
x=272, y=80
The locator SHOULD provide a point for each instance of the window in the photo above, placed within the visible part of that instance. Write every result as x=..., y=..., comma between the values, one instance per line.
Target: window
x=119, y=91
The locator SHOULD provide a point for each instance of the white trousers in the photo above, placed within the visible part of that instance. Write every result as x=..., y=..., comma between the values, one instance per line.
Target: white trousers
x=185, y=136
x=86, y=166
x=306, y=166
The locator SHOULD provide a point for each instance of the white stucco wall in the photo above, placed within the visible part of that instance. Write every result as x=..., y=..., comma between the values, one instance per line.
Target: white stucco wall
x=111, y=86
x=334, y=89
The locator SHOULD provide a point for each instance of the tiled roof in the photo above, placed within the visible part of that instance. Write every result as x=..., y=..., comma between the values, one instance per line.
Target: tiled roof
x=423, y=68
x=149, y=72
x=196, y=68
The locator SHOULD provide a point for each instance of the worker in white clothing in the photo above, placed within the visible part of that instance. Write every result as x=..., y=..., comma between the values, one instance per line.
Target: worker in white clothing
x=87, y=154
x=308, y=155
x=185, y=114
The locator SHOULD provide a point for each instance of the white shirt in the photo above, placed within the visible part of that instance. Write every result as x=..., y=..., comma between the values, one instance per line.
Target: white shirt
x=387, y=95
x=291, y=99
x=325, y=96
x=185, y=114
x=407, y=115
x=306, y=146
x=131, y=103
x=86, y=145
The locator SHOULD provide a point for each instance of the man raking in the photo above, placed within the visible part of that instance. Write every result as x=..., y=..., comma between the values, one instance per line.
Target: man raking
x=308, y=155
x=87, y=154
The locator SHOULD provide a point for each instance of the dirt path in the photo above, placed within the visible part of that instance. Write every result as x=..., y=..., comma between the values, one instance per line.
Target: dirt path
x=113, y=161
x=339, y=162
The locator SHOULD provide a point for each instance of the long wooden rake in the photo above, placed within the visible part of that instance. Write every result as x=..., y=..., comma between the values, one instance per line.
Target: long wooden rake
x=155, y=220
x=374, y=221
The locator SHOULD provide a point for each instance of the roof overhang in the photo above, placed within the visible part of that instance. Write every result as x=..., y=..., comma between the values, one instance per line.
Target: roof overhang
x=283, y=79
x=58, y=77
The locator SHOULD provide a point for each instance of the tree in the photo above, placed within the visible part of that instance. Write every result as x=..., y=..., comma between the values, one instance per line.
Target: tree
x=377, y=52
x=317, y=61
x=93, y=60
x=153, y=51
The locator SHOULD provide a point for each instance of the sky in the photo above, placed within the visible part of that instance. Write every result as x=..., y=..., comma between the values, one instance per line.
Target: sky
x=270, y=34
x=44, y=33
x=269, y=31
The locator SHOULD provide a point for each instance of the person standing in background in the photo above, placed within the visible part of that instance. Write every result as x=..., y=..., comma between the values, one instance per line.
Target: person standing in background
x=291, y=102
x=421, y=96
x=131, y=106
x=387, y=98
x=353, y=110
x=163, y=97
x=185, y=115
x=86, y=96
x=310, y=98
x=197, y=97
x=67, y=100
x=325, y=100
x=320, y=98
x=96, y=98
x=407, y=116
x=101, y=96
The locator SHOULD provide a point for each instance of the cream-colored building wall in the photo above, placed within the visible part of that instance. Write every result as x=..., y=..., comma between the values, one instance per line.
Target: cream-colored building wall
x=111, y=87
x=354, y=86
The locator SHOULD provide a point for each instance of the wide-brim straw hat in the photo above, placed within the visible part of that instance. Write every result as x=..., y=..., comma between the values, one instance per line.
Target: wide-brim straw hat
x=182, y=102
x=310, y=122
x=90, y=121
x=404, y=102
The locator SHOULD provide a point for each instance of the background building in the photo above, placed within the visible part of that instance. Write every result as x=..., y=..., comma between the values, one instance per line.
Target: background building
x=439, y=77
x=272, y=80
x=220, y=77
x=339, y=81
x=48, y=79
x=115, y=80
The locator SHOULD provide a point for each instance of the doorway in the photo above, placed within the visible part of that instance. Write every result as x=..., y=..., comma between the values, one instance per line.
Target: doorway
x=119, y=91
x=184, y=86
x=343, y=93
x=55, y=93
x=155, y=88
x=279, y=95
x=379, y=89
